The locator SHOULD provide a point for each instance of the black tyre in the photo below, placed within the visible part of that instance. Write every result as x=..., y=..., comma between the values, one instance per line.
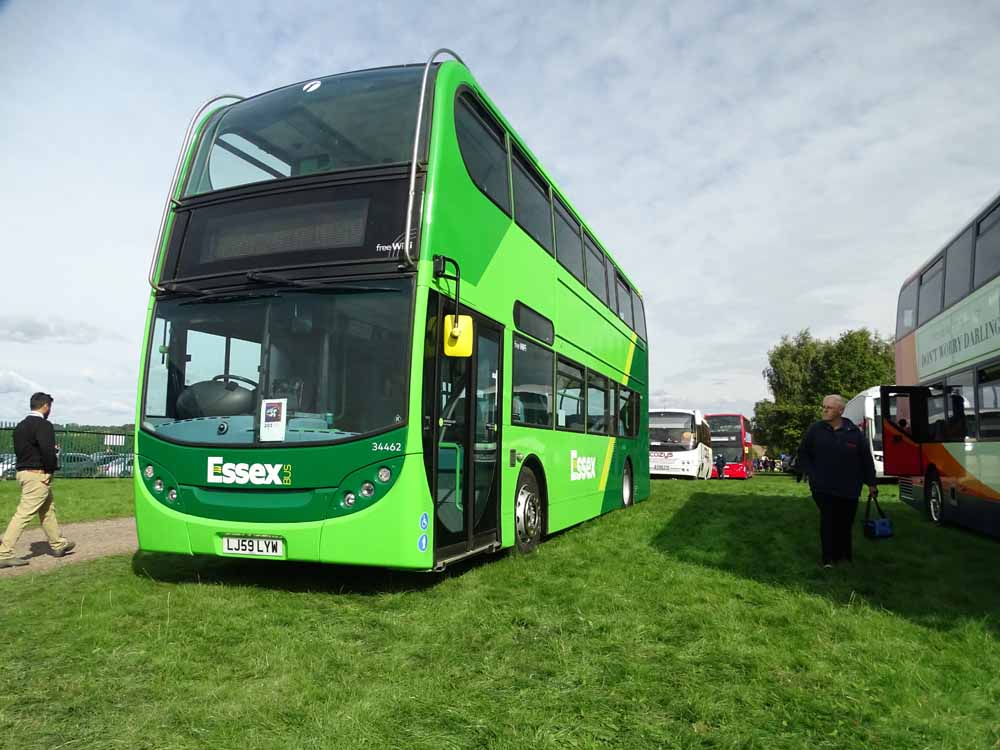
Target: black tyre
x=935, y=501
x=628, y=486
x=527, y=512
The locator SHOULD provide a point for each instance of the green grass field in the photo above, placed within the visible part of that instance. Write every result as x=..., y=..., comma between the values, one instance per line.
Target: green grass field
x=699, y=619
x=77, y=499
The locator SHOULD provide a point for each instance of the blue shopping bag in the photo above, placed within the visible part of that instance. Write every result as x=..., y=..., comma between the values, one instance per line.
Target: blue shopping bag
x=876, y=528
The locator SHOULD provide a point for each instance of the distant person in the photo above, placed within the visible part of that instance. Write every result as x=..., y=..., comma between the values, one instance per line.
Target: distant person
x=35, y=446
x=720, y=465
x=834, y=455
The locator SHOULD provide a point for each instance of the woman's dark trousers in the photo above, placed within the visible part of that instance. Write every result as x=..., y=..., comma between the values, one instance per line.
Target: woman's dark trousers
x=836, y=524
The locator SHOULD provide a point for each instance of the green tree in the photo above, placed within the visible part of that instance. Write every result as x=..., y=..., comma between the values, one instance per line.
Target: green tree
x=802, y=370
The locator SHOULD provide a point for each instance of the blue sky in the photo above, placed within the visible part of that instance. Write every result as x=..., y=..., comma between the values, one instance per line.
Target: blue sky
x=757, y=168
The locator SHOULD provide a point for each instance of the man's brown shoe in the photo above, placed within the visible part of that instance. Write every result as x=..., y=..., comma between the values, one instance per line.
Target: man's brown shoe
x=63, y=551
x=12, y=562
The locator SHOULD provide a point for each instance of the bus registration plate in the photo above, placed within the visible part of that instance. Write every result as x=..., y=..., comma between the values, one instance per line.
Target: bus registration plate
x=253, y=545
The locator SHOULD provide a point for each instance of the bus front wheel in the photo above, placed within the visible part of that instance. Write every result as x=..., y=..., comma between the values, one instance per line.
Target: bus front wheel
x=935, y=501
x=527, y=512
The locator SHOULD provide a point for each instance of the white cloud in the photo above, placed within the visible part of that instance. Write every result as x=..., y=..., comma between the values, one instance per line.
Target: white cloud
x=756, y=168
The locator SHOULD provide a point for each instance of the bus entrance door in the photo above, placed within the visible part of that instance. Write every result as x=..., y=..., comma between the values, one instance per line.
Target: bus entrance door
x=904, y=428
x=467, y=477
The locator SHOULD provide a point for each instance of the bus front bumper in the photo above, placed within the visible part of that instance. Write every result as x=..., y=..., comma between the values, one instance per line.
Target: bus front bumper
x=395, y=532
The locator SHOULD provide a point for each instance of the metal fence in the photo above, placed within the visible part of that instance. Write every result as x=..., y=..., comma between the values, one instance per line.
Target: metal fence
x=83, y=454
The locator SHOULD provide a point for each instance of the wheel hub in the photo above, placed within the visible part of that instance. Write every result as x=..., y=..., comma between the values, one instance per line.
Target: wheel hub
x=527, y=514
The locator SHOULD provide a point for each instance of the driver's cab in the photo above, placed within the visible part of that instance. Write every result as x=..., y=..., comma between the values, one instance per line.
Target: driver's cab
x=333, y=358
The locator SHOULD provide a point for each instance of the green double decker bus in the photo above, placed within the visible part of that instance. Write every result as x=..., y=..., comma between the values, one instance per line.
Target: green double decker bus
x=378, y=334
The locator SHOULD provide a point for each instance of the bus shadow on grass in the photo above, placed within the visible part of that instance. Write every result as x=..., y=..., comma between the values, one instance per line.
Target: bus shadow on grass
x=936, y=577
x=291, y=576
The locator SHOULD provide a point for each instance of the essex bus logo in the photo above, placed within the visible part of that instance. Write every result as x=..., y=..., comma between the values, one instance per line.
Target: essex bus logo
x=225, y=472
x=582, y=467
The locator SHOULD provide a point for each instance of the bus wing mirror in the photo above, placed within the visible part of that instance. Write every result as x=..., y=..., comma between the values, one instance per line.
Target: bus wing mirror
x=458, y=335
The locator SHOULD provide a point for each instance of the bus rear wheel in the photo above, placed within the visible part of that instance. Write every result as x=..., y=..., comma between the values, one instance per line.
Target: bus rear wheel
x=527, y=512
x=935, y=501
x=628, y=486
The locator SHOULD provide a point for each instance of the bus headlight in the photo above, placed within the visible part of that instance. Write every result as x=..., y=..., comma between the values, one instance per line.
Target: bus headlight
x=367, y=489
x=349, y=499
x=148, y=471
x=384, y=474
x=158, y=485
x=172, y=495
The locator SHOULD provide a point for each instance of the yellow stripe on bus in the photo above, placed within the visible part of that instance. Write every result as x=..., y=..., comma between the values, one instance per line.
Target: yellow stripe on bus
x=607, y=464
x=628, y=360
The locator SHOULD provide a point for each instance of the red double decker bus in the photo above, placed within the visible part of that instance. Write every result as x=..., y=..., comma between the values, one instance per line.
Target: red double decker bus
x=731, y=437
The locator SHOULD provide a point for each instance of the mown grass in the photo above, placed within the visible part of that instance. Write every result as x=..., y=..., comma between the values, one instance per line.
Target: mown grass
x=696, y=620
x=77, y=499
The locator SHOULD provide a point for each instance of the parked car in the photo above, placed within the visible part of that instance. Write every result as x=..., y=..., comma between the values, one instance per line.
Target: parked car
x=76, y=465
x=120, y=466
x=8, y=461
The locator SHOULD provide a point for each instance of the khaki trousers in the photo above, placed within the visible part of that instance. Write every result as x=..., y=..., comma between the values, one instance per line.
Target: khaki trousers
x=36, y=499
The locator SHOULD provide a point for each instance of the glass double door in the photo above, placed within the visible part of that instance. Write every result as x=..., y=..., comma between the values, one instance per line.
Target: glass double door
x=467, y=443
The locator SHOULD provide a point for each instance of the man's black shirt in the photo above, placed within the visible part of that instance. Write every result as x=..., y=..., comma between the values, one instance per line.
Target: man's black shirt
x=836, y=461
x=35, y=444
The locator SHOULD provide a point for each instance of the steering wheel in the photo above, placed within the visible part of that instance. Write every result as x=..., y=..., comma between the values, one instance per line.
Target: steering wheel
x=248, y=381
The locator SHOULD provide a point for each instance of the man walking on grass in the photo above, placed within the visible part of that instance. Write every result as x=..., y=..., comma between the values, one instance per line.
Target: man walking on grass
x=720, y=465
x=35, y=446
x=834, y=455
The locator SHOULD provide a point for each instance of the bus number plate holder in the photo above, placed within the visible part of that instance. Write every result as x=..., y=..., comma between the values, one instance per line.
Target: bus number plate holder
x=256, y=546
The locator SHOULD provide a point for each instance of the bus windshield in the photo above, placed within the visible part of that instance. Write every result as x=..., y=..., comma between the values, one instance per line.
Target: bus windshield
x=731, y=452
x=673, y=432
x=726, y=425
x=337, y=355
x=347, y=121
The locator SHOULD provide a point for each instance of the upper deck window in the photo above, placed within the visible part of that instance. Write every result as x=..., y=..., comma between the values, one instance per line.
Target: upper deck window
x=348, y=121
x=958, y=271
x=906, y=311
x=988, y=247
x=624, y=302
x=532, y=210
x=640, y=316
x=597, y=275
x=569, y=249
x=484, y=150
x=931, y=288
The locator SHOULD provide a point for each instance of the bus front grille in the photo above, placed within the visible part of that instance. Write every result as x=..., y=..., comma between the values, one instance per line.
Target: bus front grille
x=905, y=489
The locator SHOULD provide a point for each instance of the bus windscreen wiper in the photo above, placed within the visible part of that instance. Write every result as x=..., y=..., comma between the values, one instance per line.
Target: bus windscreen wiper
x=176, y=287
x=318, y=286
x=224, y=296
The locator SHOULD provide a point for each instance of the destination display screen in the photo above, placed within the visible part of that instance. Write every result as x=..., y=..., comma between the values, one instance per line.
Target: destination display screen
x=332, y=225
x=324, y=225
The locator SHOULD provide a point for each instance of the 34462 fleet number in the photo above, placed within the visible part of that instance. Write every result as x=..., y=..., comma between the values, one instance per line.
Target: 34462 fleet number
x=390, y=447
